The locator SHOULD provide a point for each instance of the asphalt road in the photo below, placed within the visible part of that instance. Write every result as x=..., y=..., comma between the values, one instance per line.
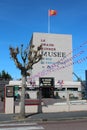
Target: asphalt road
x=80, y=124
x=65, y=125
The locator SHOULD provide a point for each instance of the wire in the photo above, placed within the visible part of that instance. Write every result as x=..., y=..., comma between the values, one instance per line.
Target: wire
x=55, y=66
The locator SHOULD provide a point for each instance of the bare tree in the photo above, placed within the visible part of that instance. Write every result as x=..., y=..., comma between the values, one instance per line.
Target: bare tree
x=29, y=56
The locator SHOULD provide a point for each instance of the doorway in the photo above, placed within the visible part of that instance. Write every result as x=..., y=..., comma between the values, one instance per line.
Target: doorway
x=47, y=92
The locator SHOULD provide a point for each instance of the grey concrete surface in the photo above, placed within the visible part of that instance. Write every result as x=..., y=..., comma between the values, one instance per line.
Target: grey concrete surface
x=39, y=117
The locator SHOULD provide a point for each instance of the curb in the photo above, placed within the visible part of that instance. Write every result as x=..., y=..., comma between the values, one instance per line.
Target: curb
x=43, y=120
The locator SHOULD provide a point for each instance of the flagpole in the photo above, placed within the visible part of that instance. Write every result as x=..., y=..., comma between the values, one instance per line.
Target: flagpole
x=50, y=13
x=48, y=22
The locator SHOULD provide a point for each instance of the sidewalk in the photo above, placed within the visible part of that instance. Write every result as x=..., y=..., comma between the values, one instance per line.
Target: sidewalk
x=39, y=117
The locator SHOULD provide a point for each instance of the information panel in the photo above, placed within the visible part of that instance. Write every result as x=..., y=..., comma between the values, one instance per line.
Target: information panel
x=9, y=91
x=46, y=82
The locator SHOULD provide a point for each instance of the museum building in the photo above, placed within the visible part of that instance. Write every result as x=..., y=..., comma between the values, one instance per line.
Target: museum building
x=54, y=73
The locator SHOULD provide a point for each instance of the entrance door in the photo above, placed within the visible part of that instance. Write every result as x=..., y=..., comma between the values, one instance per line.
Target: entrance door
x=47, y=92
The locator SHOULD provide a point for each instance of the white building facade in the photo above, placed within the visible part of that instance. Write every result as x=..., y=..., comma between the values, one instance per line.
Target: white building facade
x=57, y=56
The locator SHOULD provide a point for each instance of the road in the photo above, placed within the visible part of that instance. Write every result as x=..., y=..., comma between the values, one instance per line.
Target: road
x=80, y=124
x=66, y=125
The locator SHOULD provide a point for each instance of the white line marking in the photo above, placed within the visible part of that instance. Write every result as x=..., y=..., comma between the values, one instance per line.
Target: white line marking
x=24, y=128
x=18, y=124
x=21, y=126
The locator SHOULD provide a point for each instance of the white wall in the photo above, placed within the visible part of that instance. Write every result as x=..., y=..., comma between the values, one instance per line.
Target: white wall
x=59, y=43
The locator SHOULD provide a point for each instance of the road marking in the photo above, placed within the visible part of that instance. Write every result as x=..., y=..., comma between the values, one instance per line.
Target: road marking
x=17, y=124
x=24, y=128
x=21, y=126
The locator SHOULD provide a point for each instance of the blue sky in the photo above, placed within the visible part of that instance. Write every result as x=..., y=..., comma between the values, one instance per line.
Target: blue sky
x=20, y=18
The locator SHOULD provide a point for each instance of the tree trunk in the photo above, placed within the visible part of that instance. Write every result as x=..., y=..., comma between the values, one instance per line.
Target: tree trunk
x=22, y=107
x=40, y=98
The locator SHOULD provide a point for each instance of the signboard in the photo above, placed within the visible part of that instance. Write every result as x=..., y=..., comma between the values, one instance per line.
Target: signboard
x=9, y=91
x=46, y=82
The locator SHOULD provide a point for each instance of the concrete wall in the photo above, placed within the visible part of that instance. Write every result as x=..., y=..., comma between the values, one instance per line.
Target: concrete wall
x=60, y=107
x=9, y=105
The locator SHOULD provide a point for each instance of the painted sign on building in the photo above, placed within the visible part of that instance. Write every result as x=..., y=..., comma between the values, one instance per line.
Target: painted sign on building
x=57, y=56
